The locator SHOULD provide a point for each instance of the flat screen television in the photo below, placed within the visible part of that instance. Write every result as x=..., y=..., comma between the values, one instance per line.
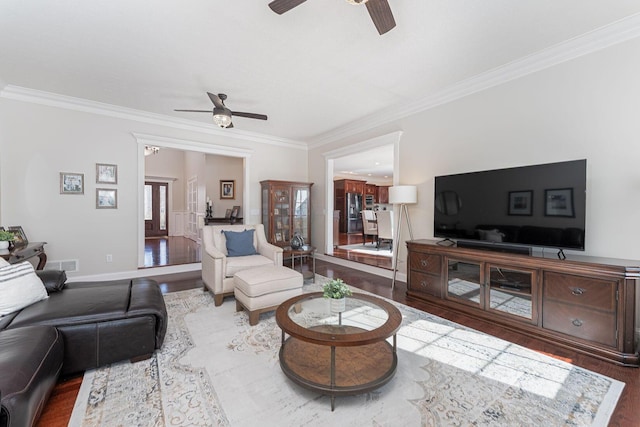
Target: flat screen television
x=521, y=207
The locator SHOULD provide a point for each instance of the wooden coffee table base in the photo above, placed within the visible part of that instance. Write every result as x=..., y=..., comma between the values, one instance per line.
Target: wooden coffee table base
x=338, y=371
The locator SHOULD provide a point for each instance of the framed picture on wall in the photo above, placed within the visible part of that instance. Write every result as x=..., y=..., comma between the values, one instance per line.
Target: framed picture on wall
x=228, y=189
x=106, y=174
x=106, y=198
x=71, y=183
x=521, y=203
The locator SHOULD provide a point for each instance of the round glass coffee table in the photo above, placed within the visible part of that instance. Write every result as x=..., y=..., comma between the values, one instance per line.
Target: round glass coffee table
x=338, y=354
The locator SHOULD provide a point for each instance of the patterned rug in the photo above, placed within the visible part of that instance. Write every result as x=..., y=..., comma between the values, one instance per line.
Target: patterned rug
x=216, y=370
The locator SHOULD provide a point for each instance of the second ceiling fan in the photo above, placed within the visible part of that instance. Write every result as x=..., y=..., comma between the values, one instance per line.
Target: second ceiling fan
x=221, y=114
x=379, y=10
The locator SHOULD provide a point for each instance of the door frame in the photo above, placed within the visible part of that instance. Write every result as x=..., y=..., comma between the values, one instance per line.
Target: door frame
x=168, y=203
x=330, y=156
x=186, y=145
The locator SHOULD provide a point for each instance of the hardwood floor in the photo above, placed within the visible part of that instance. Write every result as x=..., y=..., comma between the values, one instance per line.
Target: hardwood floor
x=58, y=409
x=162, y=251
x=356, y=238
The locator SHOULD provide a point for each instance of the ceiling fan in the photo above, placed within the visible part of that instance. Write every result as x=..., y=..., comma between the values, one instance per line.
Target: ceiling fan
x=221, y=114
x=379, y=10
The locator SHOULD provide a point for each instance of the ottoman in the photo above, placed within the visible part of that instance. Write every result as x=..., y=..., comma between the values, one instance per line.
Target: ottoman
x=263, y=289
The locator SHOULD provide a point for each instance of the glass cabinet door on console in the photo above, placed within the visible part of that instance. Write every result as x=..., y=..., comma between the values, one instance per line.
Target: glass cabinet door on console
x=464, y=282
x=506, y=291
x=509, y=291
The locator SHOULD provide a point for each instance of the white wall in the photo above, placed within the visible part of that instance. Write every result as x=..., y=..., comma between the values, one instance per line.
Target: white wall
x=224, y=168
x=38, y=142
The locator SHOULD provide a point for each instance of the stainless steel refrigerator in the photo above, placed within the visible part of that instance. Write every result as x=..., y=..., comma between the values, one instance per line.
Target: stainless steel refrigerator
x=354, y=206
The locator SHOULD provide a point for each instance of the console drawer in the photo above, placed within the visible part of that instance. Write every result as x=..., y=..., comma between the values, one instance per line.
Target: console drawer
x=580, y=322
x=425, y=283
x=583, y=291
x=425, y=263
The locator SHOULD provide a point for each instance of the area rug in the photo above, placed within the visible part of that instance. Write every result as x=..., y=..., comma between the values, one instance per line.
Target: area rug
x=369, y=249
x=216, y=370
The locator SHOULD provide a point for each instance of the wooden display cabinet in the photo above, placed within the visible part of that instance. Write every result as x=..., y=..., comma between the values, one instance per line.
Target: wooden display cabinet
x=286, y=209
x=584, y=303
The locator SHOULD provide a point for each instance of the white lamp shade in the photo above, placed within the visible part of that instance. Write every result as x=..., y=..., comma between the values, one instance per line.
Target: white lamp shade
x=403, y=194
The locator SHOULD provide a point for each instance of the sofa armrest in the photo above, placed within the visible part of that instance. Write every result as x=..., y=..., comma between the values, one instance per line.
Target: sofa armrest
x=271, y=251
x=54, y=280
x=146, y=298
x=213, y=269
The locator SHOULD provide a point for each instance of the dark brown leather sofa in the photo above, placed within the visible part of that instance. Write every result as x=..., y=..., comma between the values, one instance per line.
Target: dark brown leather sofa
x=80, y=326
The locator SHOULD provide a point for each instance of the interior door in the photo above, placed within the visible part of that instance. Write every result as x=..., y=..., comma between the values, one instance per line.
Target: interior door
x=156, y=222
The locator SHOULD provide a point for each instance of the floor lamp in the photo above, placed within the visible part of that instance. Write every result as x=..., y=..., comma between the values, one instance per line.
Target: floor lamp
x=402, y=195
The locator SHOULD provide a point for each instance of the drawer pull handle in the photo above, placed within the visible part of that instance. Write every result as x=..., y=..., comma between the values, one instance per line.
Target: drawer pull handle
x=423, y=284
x=577, y=322
x=577, y=291
x=423, y=262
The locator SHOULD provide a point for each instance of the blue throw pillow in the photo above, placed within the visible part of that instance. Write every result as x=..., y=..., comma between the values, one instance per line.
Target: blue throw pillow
x=239, y=243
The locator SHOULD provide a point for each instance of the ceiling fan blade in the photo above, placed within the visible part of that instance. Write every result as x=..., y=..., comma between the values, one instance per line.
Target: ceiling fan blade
x=216, y=100
x=197, y=111
x=381, y=15
x=282, y=6
x=249, y=115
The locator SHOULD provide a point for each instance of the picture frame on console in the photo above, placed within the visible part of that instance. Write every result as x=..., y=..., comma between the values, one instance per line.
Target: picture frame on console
x=19, y=236
x=559, y=202
x=521, y=202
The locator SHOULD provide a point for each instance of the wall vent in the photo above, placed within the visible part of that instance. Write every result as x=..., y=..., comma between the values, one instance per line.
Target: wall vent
x=68, y=265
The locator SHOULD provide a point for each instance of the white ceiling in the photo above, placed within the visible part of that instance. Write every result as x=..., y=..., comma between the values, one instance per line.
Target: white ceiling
x=313, y=70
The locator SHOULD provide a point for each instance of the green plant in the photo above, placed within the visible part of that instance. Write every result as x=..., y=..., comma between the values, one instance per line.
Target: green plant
x=6, y=236
x=336, y=289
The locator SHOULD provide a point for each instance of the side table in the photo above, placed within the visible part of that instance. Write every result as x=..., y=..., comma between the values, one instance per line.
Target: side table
x=306, y=250
x=21, y=253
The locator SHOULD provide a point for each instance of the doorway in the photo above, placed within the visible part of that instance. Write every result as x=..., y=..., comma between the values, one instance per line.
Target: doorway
x=156, y=221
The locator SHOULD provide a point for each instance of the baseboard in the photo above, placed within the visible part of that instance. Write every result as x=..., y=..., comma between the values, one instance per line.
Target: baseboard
x=142, y=272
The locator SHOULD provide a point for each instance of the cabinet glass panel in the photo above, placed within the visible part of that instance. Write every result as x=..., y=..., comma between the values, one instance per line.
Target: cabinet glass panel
x=510, y=291
x=463, y=281
x=281, y=215
x=300, y=212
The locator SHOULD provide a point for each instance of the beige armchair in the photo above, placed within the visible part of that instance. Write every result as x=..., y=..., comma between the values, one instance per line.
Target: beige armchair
x=218, y=269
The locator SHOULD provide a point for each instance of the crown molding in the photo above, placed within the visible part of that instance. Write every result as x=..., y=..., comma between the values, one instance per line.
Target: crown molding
x=617, y=32
x=184, y=144
x=34, y=96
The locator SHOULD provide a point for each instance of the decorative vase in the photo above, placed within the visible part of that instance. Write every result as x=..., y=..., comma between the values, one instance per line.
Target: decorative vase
x=4, y=244
x=297, y=241
x=337, y=305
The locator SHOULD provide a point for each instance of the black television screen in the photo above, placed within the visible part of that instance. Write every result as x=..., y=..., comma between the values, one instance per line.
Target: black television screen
x=540, y=205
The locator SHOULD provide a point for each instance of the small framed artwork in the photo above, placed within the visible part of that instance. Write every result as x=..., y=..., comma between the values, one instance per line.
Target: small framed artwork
x=521, y=203
x=235, y=212
x=19, y=236
x=278, y=237
x=228, y=189
x=71, y=183
x=228, y=214
x=559, y=202
x=106, y=198
x=106, y=174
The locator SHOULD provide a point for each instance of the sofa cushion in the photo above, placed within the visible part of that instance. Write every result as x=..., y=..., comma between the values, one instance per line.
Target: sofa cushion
x=3, y=262
x=239, y=243
x=235, y=264
x=19, y=287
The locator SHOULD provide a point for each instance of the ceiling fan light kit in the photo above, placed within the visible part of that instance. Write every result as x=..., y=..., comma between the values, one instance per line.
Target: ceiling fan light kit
x=357, y=2
x=221, y=117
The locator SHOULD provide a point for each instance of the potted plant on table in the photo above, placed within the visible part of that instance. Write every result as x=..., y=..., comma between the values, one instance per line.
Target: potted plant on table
x=336, y=291
x=5, y=238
